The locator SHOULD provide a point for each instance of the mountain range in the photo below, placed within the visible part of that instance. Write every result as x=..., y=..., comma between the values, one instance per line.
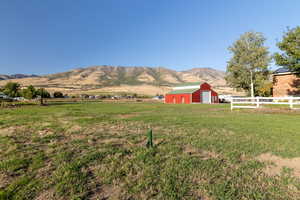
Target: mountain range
x=16, y=76
x=143, y=80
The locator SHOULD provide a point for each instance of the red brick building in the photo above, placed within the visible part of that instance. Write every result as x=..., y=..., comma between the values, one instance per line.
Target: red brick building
x=285, y=83
x=192, y=93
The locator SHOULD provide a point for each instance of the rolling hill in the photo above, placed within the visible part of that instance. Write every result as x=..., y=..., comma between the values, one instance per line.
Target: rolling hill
x=143, y=80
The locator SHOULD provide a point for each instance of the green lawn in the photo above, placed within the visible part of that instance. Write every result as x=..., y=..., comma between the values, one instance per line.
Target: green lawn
x=97, y=151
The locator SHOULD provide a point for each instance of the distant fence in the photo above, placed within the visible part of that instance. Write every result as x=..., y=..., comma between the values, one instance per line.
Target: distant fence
x=255, y=102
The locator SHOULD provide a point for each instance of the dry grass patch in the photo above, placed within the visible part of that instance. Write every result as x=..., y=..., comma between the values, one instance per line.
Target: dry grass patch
x=47, y=194
x=74, y=129
x=274, y=110
x=45, y=132
x=126, y=116
x=12, y=130
x=4, y=180
x=276, y=164
x=111, y=192
x=203, y=154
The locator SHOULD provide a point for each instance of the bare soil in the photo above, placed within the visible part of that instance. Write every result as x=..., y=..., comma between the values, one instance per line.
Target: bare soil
x=276, y=164
x=203, y=154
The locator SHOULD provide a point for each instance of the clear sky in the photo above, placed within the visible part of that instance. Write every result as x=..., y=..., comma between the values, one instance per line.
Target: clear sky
x=47, y=36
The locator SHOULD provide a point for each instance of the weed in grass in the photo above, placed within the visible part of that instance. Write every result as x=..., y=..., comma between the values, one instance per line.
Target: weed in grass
x=70, y=180
x=24, y=187
x=13, y=165
x=38, y=161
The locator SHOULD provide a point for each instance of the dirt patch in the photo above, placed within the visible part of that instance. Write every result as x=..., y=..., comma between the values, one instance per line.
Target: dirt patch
x=108, y=192
x=4, y=180
x=45, y=132
x=77, y=136
x=117, y=129
x=126, y=116
x=74, y=129
x=270, y=110
x=276, y=164
x=48, y=194
x=46, y=170
x=9, y=131
x=203, y=154
x=113, y=141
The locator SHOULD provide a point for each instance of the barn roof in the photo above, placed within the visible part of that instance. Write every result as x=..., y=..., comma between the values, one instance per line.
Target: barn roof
x=188, y=84
x=184, y=91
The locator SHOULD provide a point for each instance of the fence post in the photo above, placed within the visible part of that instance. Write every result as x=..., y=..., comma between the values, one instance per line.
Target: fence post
x=231, y=102
x=257, y=102
x=291, y=102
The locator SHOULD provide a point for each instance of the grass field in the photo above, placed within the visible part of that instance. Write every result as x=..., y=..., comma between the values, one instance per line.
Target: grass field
x=97, y=151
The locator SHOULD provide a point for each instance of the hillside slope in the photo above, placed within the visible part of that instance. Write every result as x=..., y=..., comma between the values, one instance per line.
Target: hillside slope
x=124, y=79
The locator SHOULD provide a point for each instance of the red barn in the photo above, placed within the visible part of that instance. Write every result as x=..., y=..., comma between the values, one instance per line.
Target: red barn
x=192, y=93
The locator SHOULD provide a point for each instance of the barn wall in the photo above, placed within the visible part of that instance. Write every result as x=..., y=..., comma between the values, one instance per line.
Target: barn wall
x=168, y=98
x=179, y=98
x=196, y=96
x=214, y=97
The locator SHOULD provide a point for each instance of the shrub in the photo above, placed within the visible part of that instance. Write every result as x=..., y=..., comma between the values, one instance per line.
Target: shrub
x=58, y=95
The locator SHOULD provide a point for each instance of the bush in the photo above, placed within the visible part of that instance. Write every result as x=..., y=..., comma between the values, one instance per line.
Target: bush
x=265, y=89
x=58, y=95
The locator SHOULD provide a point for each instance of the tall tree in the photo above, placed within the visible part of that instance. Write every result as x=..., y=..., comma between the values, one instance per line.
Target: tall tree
x=12, y=89
x=29, y=92
x=290, y=47
x=42, y=93
x=248, y=67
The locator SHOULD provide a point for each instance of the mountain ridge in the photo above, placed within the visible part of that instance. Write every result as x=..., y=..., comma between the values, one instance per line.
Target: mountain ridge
x=115, y=75
x=16, y=76
x=106, y=78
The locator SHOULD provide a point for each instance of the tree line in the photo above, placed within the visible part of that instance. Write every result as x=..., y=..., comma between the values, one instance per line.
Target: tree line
x=248, y=69
x=13, y=89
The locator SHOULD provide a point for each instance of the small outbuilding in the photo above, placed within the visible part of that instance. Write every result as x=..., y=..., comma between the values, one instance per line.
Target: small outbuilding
x=192, y=93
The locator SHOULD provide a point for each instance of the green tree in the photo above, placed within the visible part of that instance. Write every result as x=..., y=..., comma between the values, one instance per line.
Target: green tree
x=58, y=95
x=12, y=89
x=248, y=66
x=290, y=47
x=43, y=93
x=29, y=93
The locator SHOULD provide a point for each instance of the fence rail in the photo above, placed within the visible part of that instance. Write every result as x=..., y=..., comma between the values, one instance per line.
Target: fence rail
x=255, y=102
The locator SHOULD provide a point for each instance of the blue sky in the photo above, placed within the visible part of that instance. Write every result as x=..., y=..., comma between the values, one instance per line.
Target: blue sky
x=51, y=36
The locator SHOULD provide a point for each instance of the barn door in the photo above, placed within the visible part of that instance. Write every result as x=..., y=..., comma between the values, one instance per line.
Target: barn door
x=206, y=97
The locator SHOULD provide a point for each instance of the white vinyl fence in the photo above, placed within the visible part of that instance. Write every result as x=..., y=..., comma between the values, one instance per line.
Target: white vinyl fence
x=255, y=102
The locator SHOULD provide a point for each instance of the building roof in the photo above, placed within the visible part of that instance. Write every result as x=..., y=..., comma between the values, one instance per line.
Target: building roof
x=282, y=70
x=187, y=84
x=184, y=91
